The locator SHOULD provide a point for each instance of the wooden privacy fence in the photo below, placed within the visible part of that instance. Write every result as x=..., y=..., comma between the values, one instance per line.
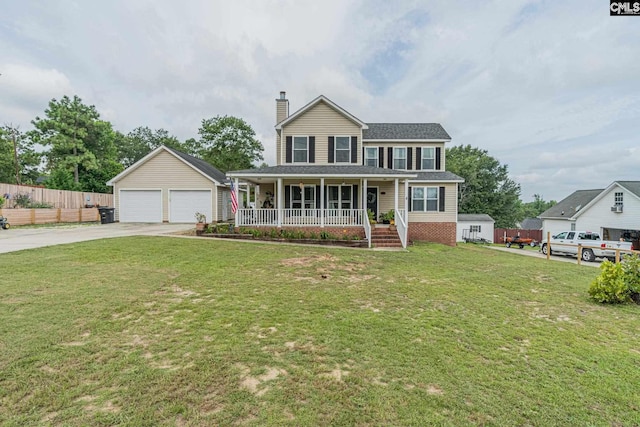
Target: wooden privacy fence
x=500, y=233
x=48, y=216
x=62, y=199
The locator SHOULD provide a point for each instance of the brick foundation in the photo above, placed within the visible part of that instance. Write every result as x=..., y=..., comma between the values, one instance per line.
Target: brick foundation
x=437, y=232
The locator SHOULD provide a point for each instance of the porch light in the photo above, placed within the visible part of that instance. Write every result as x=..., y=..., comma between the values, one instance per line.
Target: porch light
x=301, y=185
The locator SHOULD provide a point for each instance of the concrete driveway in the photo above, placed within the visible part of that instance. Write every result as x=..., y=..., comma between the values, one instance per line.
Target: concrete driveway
x=540, y=255
x=17, y=239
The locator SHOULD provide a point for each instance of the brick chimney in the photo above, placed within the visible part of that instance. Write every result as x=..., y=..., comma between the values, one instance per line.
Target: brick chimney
x=282, y=107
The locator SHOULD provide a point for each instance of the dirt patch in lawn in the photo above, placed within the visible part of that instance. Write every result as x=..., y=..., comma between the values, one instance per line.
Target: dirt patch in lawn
x=306, y=261
x=256, y=384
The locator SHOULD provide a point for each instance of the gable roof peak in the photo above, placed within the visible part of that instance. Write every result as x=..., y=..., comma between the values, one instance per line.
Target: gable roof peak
x=195, y=163
x=330, y=103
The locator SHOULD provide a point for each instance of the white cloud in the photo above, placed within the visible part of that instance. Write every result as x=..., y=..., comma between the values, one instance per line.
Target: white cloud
x=543, y=86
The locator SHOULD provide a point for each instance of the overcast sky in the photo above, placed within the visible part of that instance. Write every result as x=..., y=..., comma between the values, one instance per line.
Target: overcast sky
x=550, y=88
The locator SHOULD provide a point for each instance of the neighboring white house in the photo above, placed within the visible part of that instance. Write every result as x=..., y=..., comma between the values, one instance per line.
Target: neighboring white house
x=613, y=212
x=474, y=227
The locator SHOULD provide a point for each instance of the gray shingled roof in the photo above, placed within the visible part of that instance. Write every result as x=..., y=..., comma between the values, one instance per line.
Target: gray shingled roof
x=570, y=205
x=632, y=186
x=474, y=217
x=438, y=176
x=201, y=165
x=531, y=224
x=391, y=131
x=299, y=170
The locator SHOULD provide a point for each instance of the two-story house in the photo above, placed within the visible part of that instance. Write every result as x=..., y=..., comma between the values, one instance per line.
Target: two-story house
x=332, y=168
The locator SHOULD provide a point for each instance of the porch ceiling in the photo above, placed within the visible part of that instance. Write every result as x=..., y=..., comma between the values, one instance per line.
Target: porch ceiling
x=271, y=174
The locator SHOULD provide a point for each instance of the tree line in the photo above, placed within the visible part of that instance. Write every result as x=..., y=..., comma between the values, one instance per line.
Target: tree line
x=488, y=189
x=73, y=148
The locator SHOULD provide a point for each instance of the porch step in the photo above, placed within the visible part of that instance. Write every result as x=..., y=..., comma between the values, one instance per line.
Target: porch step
x=385, y=238
x=397, y=244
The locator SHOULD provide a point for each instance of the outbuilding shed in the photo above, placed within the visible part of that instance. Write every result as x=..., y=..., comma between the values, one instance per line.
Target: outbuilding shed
x=475, y=227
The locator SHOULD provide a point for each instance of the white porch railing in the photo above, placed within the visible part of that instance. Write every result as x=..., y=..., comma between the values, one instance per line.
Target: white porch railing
x=401, y=226
x=303, y=217
x=257, y=217
x=367, y=231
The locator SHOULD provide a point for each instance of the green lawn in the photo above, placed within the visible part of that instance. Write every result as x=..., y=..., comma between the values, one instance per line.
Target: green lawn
x=169, y=331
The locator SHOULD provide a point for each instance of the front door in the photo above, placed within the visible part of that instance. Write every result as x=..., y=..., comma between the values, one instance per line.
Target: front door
x=372, y=200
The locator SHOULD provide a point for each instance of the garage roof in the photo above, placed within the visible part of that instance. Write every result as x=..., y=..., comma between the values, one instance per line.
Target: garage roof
x=198, y=165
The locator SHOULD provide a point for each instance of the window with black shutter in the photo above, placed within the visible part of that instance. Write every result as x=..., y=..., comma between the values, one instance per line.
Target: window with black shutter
x=312, y=149
x=354, y=149
x=289, y=149
x=331, y=149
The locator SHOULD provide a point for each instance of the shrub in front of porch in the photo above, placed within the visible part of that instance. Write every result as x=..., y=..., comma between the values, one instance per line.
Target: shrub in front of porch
x=305, y=233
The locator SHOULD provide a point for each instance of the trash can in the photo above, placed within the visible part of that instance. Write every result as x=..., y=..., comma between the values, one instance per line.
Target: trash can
x=107, y=215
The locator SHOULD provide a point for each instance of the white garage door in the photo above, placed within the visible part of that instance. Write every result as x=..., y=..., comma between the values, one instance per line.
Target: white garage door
x=140, y=206
x=183, y=205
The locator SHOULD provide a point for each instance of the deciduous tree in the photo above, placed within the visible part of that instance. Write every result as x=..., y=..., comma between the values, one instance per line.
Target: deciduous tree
x=487, y=187
x=141, y=141
x=18, y=160
x=228, y=143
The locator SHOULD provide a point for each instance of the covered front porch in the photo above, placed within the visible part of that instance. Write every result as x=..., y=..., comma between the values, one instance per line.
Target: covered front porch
x=333, y=196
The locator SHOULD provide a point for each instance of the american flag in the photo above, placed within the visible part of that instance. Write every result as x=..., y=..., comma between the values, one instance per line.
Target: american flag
x=234, y=199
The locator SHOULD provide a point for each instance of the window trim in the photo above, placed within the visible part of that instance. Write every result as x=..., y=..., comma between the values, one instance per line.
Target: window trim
x=340, y=201
x=618, y=198
x=377, y=150
x=335, y=148
x=422, y=158
x=425, y=199
x=396, y=158
x=302, y=199
x=476, y=228
x=293, y=148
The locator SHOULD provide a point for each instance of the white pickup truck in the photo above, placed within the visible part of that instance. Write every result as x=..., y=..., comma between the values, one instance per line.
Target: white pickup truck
x=566, y=243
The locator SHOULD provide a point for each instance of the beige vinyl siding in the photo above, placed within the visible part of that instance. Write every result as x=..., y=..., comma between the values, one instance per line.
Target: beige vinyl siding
x=413, y=145
x=450, y=213
x=218, y=215
x=320, y=121
x=386, y=201
x=282, y=110
x=164, y=171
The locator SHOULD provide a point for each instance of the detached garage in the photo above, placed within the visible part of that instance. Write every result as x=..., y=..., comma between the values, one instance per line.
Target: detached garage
x=169, y=186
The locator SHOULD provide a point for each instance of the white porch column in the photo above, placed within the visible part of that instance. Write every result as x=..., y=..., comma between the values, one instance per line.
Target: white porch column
x=395, y=199
x=364, y=198
x=257, y=195
x=322, y=203
x=236, y=189
x=280, y=202
x=406, y=202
